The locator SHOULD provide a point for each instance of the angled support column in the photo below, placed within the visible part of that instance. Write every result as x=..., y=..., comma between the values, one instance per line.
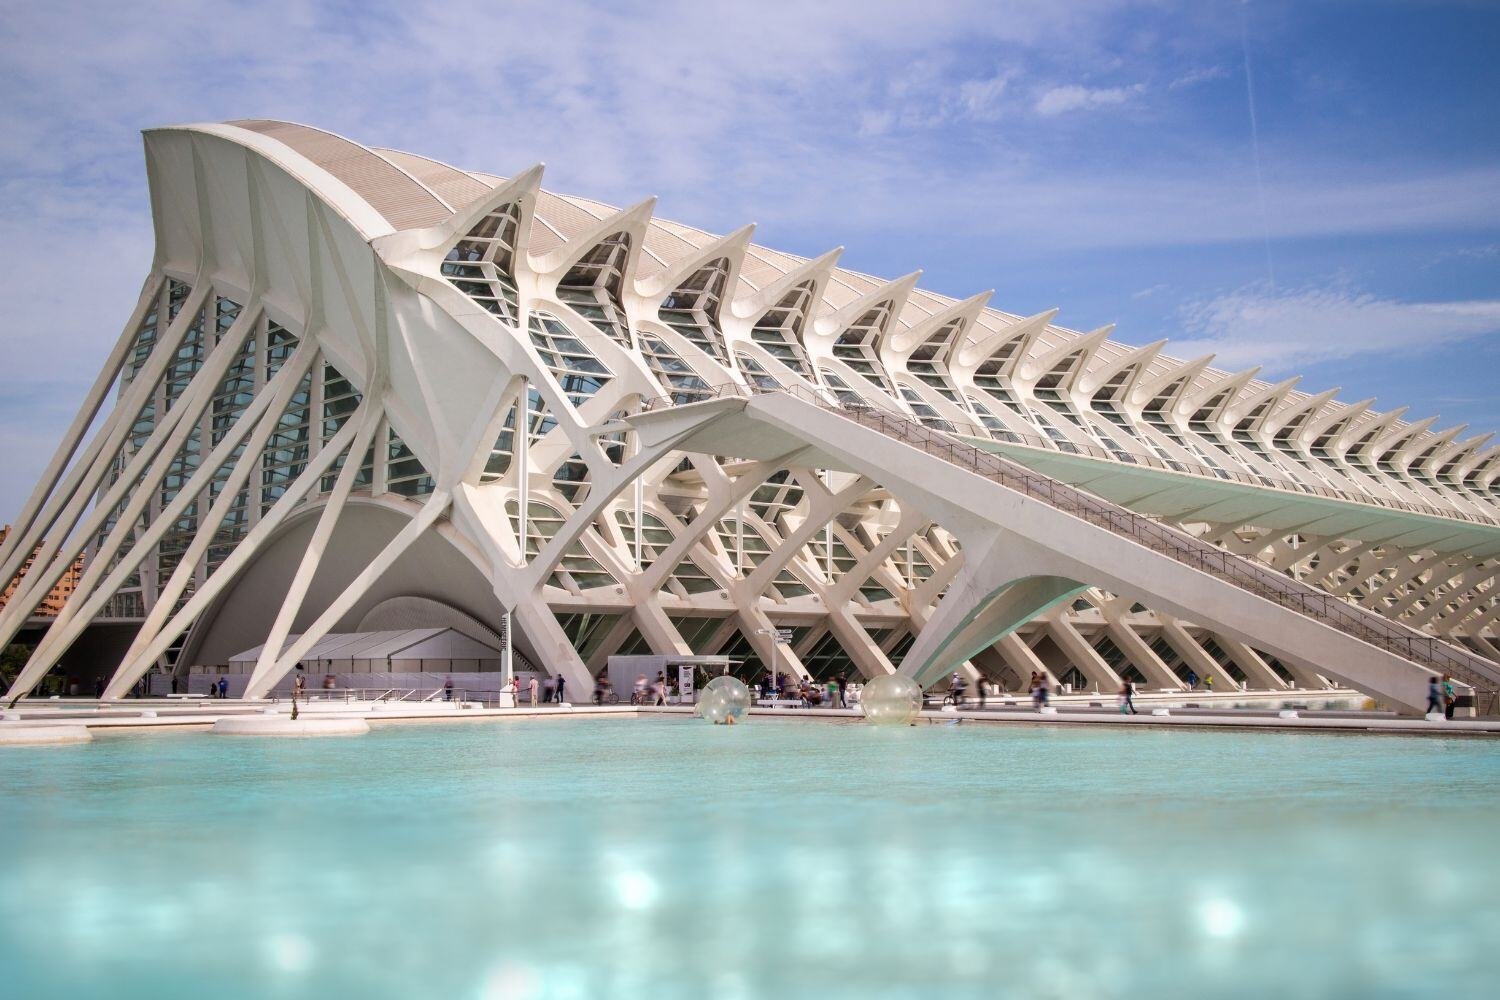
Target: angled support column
x=970, y=619
x=239, y=476
x=537, y=622
x=1141, y=655
x=1195, y=655
x=368, y=418
x=84, y=479
x=856, y=642
x=57, y=519
x=657, y=628
x=92, y=593
x=21, y=527
x=1083, y=655
x=263, y=680
x=229, y=570
x=1021, y=659
x=184, y=417
x=1258, y=673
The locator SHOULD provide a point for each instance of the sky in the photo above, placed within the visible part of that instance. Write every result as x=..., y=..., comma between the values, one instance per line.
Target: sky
x=1310, y=186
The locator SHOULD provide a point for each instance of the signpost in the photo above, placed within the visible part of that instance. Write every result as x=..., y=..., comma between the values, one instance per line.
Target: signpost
x=779, y=636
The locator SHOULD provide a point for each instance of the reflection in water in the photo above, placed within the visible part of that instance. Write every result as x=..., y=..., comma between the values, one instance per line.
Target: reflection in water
x=667, y=858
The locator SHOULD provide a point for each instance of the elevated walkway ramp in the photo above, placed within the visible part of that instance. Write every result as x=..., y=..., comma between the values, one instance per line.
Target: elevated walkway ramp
x=1031, y=542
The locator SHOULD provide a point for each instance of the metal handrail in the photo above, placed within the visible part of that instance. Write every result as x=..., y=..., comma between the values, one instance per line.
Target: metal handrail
x=1357, y=622
x=1041, y=442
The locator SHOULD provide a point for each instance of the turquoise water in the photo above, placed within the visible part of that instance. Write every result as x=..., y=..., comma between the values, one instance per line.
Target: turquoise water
x=666, y=858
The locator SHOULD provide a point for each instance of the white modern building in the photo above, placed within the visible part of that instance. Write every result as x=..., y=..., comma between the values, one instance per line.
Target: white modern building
x=365, y=391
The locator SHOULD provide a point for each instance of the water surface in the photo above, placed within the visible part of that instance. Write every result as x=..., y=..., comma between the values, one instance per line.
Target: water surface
x=666, y=858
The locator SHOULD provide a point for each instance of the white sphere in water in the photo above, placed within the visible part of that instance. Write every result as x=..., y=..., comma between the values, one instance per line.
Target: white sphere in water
x=891, y=700
x=724, y=699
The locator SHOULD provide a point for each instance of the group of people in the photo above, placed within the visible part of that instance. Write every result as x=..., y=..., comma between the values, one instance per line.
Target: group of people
x=958, y=689
x=1193, y=681
x=648, y=692
x=1441, y=697
x=810, y=693
x=550, y=690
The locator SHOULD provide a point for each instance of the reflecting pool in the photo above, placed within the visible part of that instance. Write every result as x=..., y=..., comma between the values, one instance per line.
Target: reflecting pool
x=667, y=858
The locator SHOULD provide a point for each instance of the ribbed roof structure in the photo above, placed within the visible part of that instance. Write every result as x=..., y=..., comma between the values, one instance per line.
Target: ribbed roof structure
x=357, y=374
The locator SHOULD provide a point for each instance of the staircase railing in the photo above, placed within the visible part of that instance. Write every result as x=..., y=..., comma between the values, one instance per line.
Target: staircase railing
x=1357, y=622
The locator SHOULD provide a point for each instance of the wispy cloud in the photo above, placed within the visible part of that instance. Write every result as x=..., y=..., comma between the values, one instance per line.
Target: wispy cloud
x=1287, y=330
x=982, y=99
x=870, y=122
x=1074, y=97
x=1196, y=76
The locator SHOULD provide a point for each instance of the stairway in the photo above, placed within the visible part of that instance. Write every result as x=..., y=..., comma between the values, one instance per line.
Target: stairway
x=1352, y=620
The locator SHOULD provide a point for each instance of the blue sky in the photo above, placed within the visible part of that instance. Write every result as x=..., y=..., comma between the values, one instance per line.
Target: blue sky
x=1096, y=156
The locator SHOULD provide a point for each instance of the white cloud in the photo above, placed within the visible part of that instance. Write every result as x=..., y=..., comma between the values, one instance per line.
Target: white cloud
x=1287, y=330
x=981, y=99
x=868, y=120
x=1060, y=100
x=1194, y=77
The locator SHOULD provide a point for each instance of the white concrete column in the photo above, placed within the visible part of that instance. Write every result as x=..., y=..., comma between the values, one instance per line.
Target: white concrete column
x=1258, y=673
x=368, y=419
x=82, y=482
x=1022, y=660
x=92, y=594
x=248, y=463
x=1141, y=655
x=26, y=518
x=1195, y=655
x=229, y=570
x=1083, y=655
x=263, y=680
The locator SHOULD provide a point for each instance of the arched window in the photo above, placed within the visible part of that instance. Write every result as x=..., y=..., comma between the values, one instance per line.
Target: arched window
x=592, y=287
x=482, y=264
x=675, y=374
x=693, y=309
x=856, y=346
x=779, y=329
x=755, y=373
x=579, y=374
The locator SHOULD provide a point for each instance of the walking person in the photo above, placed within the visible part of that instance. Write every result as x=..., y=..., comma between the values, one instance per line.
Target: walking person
x=561, y=683
x=1450, y=698
x=223, y=687
x=980, y=689
x=1040, y=693
x=448, y=687
x=299, y=685
x=1434, y=695
x=841, y=691
x=1127, y=697
x=533, y=686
